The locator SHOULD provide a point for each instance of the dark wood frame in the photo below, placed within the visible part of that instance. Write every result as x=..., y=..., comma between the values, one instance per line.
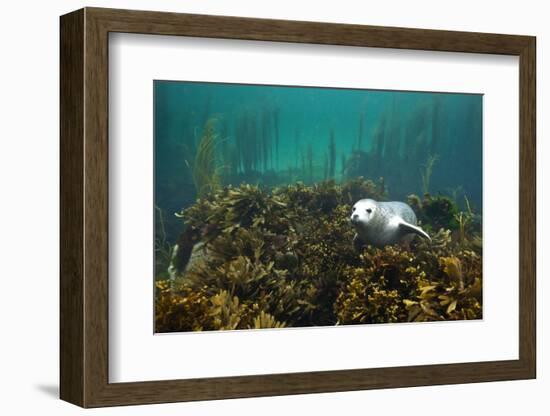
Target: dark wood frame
x=84, y=208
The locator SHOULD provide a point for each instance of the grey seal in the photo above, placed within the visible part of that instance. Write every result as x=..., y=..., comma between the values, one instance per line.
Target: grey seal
x=384, y=223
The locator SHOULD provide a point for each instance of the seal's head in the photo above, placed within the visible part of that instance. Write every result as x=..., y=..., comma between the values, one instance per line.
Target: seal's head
x=363, y=212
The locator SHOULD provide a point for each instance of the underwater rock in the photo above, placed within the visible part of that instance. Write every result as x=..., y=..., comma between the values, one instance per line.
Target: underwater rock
x=183, y=249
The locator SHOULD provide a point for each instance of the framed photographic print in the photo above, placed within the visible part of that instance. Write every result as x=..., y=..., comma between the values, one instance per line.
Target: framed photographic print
x=255, y=207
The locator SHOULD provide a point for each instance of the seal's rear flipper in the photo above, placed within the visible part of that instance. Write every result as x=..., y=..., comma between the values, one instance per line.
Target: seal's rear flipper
x=413, y=229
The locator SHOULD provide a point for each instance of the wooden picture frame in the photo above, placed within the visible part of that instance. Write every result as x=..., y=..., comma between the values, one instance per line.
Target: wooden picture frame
x=84, y=207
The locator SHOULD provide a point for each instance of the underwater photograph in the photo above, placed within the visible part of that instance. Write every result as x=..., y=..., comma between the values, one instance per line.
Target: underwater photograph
x=287, y=206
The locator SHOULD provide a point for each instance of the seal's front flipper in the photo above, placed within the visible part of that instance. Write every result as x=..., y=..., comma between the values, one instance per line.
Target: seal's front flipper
x=413, y=229
x=357, y=243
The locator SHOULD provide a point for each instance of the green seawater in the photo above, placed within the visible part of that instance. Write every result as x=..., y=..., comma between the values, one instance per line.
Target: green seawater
x=273, y=136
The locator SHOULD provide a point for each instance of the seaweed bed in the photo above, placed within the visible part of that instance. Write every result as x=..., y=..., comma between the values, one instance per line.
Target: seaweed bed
x=253, y=258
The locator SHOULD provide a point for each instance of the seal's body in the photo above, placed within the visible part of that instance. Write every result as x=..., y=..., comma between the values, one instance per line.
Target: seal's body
x=384, y=223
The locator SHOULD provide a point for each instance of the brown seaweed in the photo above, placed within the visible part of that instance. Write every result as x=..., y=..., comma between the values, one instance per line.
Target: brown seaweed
x=284, y=258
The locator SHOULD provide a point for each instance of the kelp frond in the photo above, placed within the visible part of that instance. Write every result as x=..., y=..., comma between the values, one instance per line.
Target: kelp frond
x=427, y=171
x=163, y=250
x=204, y=169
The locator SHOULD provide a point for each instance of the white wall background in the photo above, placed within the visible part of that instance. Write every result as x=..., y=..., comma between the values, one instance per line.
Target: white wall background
x=29, y=159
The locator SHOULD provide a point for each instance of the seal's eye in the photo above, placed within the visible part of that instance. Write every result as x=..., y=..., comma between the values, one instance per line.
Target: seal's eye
x=353, y=209
x=369, y=210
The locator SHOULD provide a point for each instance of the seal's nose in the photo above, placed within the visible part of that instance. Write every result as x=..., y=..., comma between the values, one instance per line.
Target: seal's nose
x=354, y=217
